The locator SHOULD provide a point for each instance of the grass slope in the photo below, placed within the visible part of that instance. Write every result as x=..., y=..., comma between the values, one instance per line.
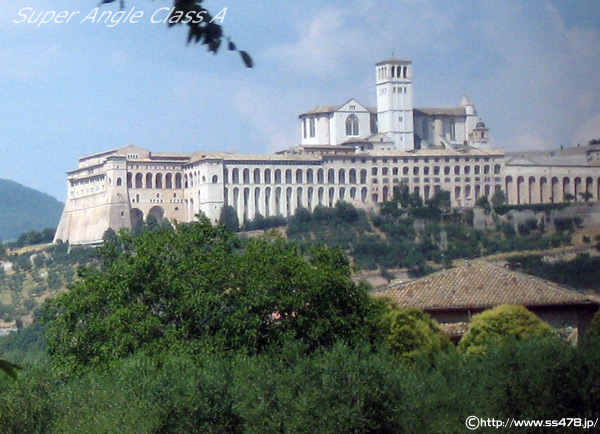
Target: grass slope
x=23, y=209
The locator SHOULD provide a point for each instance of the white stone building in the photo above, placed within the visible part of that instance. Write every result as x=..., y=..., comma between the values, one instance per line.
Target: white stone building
x=350, y=152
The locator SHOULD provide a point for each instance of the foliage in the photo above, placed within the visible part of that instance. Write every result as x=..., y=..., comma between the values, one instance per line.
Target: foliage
x=192, y=288
x=411, y=333
x=498, y=199
x=582, y=272
x=500, y=323
x=229, y=218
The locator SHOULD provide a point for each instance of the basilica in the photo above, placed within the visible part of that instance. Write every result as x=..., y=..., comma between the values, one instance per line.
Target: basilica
x=349, y=152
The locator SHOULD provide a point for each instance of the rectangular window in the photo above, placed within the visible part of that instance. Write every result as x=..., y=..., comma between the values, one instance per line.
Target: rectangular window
x=312, y=127
x=452, y=130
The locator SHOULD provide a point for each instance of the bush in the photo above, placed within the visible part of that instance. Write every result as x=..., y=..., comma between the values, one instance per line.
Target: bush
x=500, y=323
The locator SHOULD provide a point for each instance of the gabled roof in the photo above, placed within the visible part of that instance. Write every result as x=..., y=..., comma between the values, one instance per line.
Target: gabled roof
x=482, y=285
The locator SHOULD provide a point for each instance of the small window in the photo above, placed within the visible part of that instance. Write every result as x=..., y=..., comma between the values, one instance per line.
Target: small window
x=312, y=127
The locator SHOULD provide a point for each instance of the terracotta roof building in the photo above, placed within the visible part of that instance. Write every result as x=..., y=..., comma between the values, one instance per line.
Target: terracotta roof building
x=453, y=296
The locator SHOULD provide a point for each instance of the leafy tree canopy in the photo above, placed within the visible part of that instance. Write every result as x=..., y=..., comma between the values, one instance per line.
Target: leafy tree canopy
x=410, y=333
x=193, y=288
x=501, y=323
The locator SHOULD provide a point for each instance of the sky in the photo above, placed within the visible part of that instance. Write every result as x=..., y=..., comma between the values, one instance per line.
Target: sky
x=71, y=89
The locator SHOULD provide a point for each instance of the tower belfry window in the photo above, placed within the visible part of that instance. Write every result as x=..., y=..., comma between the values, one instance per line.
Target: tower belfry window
x=352, y=126
x=312, y=127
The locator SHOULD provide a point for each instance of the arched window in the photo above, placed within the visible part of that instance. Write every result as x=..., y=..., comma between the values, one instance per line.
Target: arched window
x=119, y=182
x=215, y=179
x=352, y=125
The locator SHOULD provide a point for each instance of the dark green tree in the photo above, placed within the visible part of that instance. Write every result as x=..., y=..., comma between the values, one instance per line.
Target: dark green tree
x=192, y=289
x=229, y=218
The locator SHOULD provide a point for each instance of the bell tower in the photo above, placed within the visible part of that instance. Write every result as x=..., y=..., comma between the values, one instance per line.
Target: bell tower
x=395, y=101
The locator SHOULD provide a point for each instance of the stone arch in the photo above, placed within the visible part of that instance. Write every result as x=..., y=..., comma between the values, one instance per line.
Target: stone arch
x=139, y=180
x=352, y=176
x=521, y=187
x=577, y=187
x=186, y=183
x=245, y=203
x=278, y=200
x=589, y=186
x=321, y=176
x=320, y=195
x=331, y=176
x=566, y=187
x=556, y=190
x=309, y=177
x=235, y=176
x=168, y=180
x=531, y=190
x=158, y=181
x=363, y=194
x=298, y=176
x=288, y=176
x=309, y=199
x=268, y=202
x=267, y=176
x=363, y=176
x=341, y=176
x=236, y=199
x=158, y=212
x=178, y=178
x=298, y=197
x=331, y=196
x=385, y=193
x=256, y=176
x=246, y=176
x=509, y=183
x=129, y=180
x=256, y=202
x=278, y=176
x=215, y=179
x=119, y=181
x=288, y=201
x=545, y=193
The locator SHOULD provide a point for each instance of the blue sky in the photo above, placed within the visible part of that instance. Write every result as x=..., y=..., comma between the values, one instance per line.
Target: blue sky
x=71, y=89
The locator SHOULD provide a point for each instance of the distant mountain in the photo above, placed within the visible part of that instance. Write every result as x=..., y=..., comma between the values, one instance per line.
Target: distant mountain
x=23, y=209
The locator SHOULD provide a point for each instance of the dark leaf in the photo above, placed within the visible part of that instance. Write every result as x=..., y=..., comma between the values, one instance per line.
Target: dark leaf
x=8, y=368
x=247, y=59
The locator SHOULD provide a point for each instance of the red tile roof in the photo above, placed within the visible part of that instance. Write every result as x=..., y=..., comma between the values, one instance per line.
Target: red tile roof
x=481, y=285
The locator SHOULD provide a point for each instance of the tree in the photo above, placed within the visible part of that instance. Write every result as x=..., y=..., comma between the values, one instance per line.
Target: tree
x=229, y=218
x=410, y=333
x=202, y=26
x=586, y=196
x=193, y=289
x=498, y=198
x=502, y=322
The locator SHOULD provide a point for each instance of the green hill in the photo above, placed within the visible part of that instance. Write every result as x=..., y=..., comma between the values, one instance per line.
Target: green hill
x=23, y=209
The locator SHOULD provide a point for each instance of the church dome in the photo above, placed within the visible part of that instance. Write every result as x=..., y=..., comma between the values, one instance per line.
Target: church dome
x=480, y=124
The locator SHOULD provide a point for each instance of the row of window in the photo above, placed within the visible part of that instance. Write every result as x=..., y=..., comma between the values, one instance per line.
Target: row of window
x=339, y=177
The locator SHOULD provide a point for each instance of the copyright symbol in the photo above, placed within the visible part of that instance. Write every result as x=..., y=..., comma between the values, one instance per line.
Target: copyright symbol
x=472, y=422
